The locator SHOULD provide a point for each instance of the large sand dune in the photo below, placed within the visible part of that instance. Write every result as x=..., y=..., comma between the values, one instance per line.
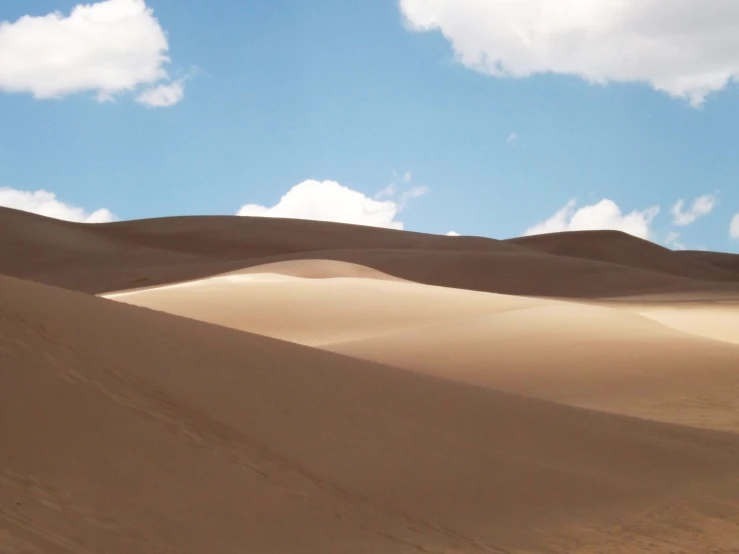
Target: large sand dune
x=421, y=410
x=130, y=254
x=127, y=430
x=677, y=363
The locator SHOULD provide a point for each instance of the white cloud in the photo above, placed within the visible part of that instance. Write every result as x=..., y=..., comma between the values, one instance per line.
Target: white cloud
x=330, y=201
x=46, y=203
x=453, y=234
x=107, y=47
x=734, y=227
x=512, y=138
x=162, y=96
x=672, y=240
x=606, y=214
x=703, y=205
x=686, y=48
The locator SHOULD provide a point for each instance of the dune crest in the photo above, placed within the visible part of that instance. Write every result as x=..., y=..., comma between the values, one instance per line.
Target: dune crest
x=134, y=254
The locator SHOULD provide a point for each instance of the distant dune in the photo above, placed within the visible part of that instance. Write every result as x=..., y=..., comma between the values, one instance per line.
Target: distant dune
x=323, y=388
x=124, y=255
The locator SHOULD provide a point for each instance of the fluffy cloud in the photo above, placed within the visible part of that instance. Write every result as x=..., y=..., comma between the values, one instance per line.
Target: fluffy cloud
x=107, y=47
x=685, y=48
x=453, y=234
x=734, y=227
x=703, y=205
x=46, y=203
x=606, y=214
x=330, y=201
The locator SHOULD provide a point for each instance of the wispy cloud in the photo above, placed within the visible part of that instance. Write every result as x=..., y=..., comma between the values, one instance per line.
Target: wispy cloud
x=701, y=206
x=163, y=96
x=672, y=240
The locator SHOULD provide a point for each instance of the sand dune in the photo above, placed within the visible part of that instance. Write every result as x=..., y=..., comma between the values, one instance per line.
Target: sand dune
x=633, y=358
x=204, y=439
x=125, y=255
x=624, y=249
x=318, y=302
x=421, y=410
x=585, y=356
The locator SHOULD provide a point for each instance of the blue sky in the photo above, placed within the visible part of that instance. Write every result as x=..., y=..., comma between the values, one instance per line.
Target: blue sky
x=269, y=95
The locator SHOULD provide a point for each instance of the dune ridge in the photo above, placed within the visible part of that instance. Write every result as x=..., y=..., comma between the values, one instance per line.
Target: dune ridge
x=124, y=255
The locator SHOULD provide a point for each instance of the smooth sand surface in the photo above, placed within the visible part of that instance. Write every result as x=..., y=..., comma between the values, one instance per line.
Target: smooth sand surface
x=319, y=302
x=714, y=322
x=440, y=399
x=128, y=430
x=633, y=358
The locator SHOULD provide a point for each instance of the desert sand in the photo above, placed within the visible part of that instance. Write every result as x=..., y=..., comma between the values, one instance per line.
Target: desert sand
x=253, y=385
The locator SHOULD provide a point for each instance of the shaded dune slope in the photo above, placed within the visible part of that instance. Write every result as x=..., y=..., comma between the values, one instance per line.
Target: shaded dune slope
x=624, y=249
x=124, y=255
x=204, y=439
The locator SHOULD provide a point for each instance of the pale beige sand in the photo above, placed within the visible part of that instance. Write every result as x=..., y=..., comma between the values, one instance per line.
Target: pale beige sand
x=630, y=358
x=709, y=321
x=319, y=302
x=586, y=356
x=126, y=430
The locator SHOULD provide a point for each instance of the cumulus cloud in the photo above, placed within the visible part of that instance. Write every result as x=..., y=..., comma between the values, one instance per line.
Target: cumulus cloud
x=330, y=201
x=46, y=203
x=684, y=48
x=606, y=214
x=734, y=227
x=107, y=47
x=453, y=234
x=703, y=205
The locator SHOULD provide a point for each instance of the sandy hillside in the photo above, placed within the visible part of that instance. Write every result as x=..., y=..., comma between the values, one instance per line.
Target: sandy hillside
x=128, y=430
x=570, y=393
x=132, y=254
